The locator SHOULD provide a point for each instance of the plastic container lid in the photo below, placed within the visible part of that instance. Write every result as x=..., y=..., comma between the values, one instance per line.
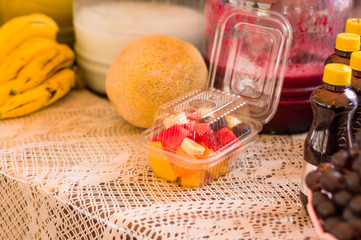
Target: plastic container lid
x=348, y=42
x=353, y=25
x=258, y=43
x=337, y=74
x=355, y=61
x=204, y=114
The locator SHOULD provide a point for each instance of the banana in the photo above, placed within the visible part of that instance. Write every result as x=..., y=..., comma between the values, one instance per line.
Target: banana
x=19, y=29
x=37, y=71
x=232, y=121
x=191, y=147
x=178, y=119
x=22, y=56
x=41, y=96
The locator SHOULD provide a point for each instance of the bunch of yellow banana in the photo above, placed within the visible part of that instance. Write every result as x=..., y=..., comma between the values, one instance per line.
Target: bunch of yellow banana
x=35, y=70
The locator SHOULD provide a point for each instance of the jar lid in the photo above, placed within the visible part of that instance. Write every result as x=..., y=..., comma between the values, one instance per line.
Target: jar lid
x=337, y=74
x=348, y=42
x=249, y=54
x=353, y=25
x=355, y=61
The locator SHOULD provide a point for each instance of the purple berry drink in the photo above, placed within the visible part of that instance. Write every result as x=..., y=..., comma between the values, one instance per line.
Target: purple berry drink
x=314, y=35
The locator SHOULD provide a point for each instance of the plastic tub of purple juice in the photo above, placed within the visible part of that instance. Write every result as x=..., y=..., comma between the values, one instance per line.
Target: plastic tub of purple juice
x=315, y=24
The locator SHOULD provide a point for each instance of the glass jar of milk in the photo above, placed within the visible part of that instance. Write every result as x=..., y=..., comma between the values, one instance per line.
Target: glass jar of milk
x=104, y=27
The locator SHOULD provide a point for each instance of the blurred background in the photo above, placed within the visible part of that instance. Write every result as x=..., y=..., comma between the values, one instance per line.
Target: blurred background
x=357, y=8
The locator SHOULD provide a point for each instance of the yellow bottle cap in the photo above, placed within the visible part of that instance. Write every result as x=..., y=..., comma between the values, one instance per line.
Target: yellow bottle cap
x=353, y=25
x=348, y=42
x=355, y=61
x=337, y=74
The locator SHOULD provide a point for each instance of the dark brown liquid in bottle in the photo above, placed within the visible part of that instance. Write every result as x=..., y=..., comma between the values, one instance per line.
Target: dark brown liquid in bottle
x=339, y=57
x=333, y=108
x=356, y=87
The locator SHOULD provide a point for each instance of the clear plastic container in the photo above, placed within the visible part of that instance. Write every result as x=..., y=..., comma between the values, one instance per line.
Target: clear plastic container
x=185, y=141
x=200, y=136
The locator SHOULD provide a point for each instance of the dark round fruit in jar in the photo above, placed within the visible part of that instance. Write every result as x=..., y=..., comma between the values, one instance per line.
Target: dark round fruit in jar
x=340, y=159
x=342, y=198
x=356, y=223
x=326, y=209
x=331, y=181
x=241, y=130
x=348, y=215
x=313, y=180
x=317, y=198
x=355, y=205
x=331, y=222
x=344, y=231
x=352, y=182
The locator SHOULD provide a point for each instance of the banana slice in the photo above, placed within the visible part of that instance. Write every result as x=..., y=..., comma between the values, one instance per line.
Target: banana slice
x=178, y=119
x=232, y=121
x=191, y=147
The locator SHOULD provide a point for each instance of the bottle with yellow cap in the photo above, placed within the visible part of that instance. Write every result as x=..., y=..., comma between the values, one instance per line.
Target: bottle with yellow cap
x=355, y=65
x=346, y=44
x=353, y=25
x=333, y=106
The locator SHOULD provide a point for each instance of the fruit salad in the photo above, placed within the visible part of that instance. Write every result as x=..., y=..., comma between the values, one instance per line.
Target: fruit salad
x=196, y=140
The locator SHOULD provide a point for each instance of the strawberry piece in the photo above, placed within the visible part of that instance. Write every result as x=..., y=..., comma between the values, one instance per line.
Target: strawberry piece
x=171, y=138
x=225, y=136
x=201, y=128
x=192, y=133
x=206, y=135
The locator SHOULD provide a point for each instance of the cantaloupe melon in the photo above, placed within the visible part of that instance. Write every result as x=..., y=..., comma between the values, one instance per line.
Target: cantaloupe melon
x=150, y=71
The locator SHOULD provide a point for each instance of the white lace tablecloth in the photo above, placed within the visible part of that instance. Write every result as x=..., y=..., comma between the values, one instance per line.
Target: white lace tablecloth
x=75, y=171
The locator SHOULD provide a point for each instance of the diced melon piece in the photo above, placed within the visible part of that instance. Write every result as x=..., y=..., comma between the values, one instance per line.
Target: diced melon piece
x=159, y=162
x=207, y=151
x=193, y=180
x=218, y=170
x=182, y=171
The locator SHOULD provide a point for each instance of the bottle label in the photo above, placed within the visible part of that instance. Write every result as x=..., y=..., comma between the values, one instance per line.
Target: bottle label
x=356, y=73
x=342, y=53
x=306, y=168
x=342, y=132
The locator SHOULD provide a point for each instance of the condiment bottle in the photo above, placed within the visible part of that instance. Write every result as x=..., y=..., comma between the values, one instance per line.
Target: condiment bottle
x=346, y=43
x=355, y=64
x=333, y=106
x=353, y=25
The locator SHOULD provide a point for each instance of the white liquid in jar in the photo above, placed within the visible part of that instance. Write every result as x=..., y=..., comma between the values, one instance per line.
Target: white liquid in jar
x=103, y=30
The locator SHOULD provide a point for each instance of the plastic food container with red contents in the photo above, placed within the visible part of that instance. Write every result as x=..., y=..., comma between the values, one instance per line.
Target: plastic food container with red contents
x=199, y=137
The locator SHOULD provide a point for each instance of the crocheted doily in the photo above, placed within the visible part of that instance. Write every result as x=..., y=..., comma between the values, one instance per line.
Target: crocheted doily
x=75, y=171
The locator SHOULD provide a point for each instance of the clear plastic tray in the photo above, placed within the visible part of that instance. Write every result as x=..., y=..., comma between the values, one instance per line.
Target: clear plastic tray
x=198, y=137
